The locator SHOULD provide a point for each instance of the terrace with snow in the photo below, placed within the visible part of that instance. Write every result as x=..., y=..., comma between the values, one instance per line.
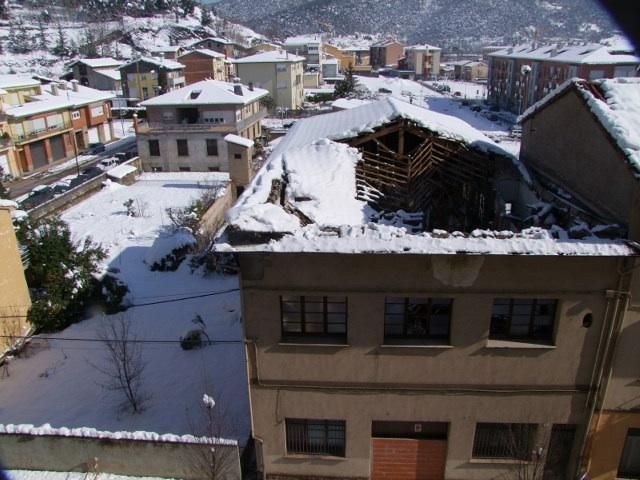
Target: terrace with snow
x=389, y=176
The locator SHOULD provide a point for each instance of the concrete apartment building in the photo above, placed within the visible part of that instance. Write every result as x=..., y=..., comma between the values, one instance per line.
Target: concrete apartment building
x=148, y=77
x=14, y=293
x=170, y=52
x=520, y=76
x=98, y=73
x=221, y=45
x=281, y=73
x=203, y=64
x=347, y=59
x=386, y=54
x=186, y=128
x=308, y=46
x=408, y=316
x=470, y=71
x=423, y=61
x=52, y=122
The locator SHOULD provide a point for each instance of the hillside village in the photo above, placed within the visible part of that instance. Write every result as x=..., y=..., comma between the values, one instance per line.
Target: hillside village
x=311, y=255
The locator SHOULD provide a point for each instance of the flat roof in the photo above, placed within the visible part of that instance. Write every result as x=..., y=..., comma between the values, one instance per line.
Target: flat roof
x=207, y=92
x=274, y=56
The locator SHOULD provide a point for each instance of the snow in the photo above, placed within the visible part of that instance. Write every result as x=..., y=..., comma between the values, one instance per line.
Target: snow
x=563, y=53
x=45, y=475
x=98, y=62
x=85, y=432
x=166, y=243
x=121, y=171
x=238, y=140
x=207, y=92
x=278, y=56
x=11, y=81
x=159, y=62
x=110, y=73
x=7, y=203
x=56, y=384
x=348, y=103
x=203, y=51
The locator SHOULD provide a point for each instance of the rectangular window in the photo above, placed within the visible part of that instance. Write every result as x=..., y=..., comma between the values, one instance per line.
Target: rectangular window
x=523, y=319
x=237, y=156
x=212, y=147
x=630, y=461
x=183, y=147
x=184, y=169
x=154, y=148
x=504, y=440
x=75, y=115
x=316, y=437
x=313, y=316
x=97, y=111
x=417, y=318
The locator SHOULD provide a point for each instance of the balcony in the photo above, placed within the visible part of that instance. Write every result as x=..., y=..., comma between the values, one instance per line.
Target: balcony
x=222, y=128
x=41, y=133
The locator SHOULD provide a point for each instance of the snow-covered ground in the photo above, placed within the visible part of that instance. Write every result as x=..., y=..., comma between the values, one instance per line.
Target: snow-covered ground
x=470, y=90
x=41, y=475
x=57, y=383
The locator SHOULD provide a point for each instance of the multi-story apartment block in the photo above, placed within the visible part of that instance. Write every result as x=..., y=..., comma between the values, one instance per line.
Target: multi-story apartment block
x=14, y=293
x=520, y=76
x=309, y=47
x=346, y=58
x=202, y=64
x=597, y=152
x=415, y=306
x=170, y=52
x=281, y=73
x=470, y=71
x=147, y=77
x=221, y=45
x=386, y=54
x=98, y=73
x=52, y=122
x=186, y=128
x=422, y=60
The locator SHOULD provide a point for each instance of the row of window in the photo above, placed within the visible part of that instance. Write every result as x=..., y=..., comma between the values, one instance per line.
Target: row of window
x=183, y=147
x=416, y=319
x=491, y=440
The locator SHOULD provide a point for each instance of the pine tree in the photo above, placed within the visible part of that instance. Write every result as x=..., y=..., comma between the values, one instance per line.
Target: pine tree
x=18, y=41
x=41, y=40
x=346, y=87
x=61, y=48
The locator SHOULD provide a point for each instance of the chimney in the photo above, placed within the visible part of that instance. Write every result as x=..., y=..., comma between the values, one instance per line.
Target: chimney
x=237, y=88
x=54, y=89
x=251, y=86
x=74, y=85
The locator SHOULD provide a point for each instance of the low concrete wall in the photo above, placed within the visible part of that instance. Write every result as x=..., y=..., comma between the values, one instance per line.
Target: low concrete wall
x=67, y=198
x=125, y=457
x=213, y=218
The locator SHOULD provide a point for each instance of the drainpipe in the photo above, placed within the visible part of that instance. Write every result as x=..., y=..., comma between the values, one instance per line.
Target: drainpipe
x=605, y=354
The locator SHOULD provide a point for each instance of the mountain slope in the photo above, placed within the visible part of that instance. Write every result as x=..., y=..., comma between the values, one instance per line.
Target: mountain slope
x=437, y=21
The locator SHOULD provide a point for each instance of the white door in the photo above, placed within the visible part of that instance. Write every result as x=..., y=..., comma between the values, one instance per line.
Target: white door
x=107, y=132
x=93, y=135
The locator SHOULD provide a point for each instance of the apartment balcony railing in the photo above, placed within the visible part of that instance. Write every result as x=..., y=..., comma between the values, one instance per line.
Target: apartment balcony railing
x=41, y=132
x=203, y=127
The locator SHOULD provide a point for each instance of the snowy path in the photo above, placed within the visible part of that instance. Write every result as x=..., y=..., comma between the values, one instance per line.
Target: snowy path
x=57, y=383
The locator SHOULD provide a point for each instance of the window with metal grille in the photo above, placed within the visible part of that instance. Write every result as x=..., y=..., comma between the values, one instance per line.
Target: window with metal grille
x=154, y=148
x=504, y=440
x=212, y=147
x=183, y=147
x=523, y=319
x=630, y=462
x=313, y=316
x=417, y=318
x=316, y=437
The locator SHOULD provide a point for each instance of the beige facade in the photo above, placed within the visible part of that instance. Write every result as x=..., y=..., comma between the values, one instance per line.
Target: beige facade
x=468, y=379
x=14, y=294
x=422, y=60
x=386, y=54
x=282, y=77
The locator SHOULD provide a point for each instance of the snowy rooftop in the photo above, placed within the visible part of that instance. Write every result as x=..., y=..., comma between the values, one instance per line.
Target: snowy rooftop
x=103, y=62
x=426, y=46
x=221, y=40
x=159, y=62
x=207, y=92
x=269, y=57
x=66, y=98
x=302, y=40
x=617, y=109
x=584, y=54
x=348, y=103
x=203, y=51
x=238, y=140
x=166, y=48
x=322, y=211
x=110, y=73
x=14, y=81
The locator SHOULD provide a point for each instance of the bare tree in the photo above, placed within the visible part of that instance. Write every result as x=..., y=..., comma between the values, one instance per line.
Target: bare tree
x=124, y=366
x=528, y=448
x=210, y=458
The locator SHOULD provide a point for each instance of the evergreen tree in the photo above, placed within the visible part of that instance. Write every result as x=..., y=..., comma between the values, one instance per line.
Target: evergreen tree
x=60, y=274
x=4, y=193
x=62, y=46
x=18, y=41
x=41, y=40
x=346, y=87
x=206, y=18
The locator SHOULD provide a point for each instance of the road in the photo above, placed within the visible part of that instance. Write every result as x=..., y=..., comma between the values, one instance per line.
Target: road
x=22, y=186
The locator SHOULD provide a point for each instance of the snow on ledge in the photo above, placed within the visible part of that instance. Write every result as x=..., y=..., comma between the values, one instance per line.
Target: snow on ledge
x=238, y=140
x=86, y=432
x=8, y=204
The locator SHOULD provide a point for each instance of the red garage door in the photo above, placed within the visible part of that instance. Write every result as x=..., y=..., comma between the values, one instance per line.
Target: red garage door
x=408, y=459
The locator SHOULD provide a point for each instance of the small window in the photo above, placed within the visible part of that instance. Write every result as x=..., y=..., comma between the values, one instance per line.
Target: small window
x=212, y=147
x=75, y=115
x=214, y=169
x=630, y=461
x=316, y=437
x=417, y=318
x=312, y=317
x=184, y=169
x=156, y=169
x=523, y=319
x=183, y=147
x=237, y=156
x=504, y=440
x=154, y=148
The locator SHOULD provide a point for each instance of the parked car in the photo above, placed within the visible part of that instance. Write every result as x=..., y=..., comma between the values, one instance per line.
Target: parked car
x=384, y=90
x=91, y=172
x=95, y=148
x=108, y=163
x=37, y=197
